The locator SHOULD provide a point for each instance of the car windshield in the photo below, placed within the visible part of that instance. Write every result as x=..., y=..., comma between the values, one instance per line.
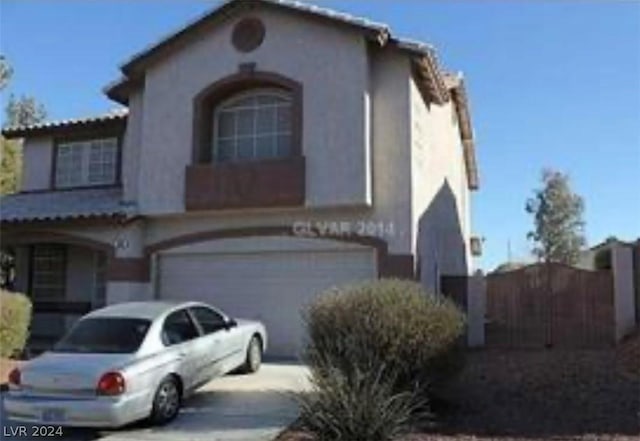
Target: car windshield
x=112, y=335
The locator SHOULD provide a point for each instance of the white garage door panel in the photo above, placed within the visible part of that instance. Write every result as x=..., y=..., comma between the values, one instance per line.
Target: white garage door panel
x=271, y=287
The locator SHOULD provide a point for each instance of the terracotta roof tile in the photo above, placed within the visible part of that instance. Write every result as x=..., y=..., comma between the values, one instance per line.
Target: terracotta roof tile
x=59, y=205
x=19, y=131
x=298, y=6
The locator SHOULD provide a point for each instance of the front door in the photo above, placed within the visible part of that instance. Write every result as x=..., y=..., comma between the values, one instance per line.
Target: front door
x=47, y=291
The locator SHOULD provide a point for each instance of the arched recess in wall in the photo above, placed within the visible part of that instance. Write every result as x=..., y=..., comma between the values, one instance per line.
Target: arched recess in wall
x=119, y=269
x=34, y=237
x=204, y=105
x=389, y=265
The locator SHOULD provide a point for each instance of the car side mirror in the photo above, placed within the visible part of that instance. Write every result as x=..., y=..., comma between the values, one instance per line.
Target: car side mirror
x=230, y=323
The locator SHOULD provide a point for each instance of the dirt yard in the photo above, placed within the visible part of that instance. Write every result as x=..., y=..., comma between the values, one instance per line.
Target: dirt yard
x=539, y=395
x=629, y=355
x=546, y=394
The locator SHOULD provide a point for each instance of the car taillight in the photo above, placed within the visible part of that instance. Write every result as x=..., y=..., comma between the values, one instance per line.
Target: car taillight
x=15, y=377
x=111, y=383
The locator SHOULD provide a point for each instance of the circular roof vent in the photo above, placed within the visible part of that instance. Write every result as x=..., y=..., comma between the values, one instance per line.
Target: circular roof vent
x=248, y=34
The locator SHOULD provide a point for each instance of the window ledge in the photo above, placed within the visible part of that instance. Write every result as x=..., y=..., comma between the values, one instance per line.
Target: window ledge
x=76, y=188
x=270, y=183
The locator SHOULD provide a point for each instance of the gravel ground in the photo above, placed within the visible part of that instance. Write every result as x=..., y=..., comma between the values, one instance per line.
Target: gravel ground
x=629, y=355
x=537, y=395
x=550, y=394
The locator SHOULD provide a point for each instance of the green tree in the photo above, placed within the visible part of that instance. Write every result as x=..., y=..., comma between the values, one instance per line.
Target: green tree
x=23, y=111
x=10, y=165
x=558, y=233
x=18, y=112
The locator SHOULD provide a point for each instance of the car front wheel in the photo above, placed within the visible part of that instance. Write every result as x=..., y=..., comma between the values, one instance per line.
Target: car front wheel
x=166, y=401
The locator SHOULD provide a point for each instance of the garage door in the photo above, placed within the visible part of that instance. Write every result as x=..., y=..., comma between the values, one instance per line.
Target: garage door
x=271, y=287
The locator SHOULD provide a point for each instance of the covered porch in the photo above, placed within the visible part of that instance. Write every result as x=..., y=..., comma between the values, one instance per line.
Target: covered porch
x=63, y=281
x=69, y=252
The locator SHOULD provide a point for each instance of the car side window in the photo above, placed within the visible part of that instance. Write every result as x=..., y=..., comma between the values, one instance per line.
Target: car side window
x=210, y=321
x=178, y=328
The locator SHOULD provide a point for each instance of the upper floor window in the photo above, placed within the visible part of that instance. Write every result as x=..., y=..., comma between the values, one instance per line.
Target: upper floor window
x=86, y=163
x=253, y=126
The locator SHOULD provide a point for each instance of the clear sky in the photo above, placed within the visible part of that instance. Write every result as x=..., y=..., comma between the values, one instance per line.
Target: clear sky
x=551, y=83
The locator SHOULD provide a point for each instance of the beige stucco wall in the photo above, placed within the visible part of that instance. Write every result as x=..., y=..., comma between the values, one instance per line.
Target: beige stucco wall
x=330, y=62
x=376, y=154
x=391, y=140
x=132, y=146
x=343, y=156
x=440, y=194
x=162, y=228
x=36, y=163
x=388, y=96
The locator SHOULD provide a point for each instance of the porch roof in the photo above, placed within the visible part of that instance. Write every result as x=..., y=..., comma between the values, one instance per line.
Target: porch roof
x=116, y=118
x=62, y=205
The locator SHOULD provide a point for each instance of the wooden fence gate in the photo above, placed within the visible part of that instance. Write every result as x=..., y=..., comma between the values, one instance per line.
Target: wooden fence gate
x=550, y=305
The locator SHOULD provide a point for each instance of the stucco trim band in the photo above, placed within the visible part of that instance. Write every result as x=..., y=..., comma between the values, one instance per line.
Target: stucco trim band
x=389, y=265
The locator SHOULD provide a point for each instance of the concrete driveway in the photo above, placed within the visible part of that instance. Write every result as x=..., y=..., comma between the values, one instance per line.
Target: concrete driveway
x=233, y=408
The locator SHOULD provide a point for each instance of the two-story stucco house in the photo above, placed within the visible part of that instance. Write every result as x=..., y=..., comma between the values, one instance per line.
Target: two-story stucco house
x=268, y=151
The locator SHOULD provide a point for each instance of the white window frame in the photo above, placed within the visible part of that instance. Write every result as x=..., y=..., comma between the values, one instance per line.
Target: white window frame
x=228, y=107
x=84, y=149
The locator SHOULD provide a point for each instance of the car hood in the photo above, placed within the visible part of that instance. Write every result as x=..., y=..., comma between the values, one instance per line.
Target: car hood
x=68, y=373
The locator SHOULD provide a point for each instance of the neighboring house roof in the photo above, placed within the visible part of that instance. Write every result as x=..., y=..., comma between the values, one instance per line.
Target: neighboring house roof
x=612, y=241
x=59, y=205
x=114, y=118
x=599, y=255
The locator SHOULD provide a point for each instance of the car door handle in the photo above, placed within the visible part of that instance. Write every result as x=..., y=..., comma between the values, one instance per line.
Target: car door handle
x=182, y=355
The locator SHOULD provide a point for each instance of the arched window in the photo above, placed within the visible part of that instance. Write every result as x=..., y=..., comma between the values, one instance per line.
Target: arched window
x=253, y=125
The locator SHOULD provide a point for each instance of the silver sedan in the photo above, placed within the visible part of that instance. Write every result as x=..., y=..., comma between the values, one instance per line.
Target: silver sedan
x=132, y=361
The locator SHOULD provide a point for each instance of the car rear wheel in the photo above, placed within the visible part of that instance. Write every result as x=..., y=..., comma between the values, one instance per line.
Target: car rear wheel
x=254, y=356
x=166, y=401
